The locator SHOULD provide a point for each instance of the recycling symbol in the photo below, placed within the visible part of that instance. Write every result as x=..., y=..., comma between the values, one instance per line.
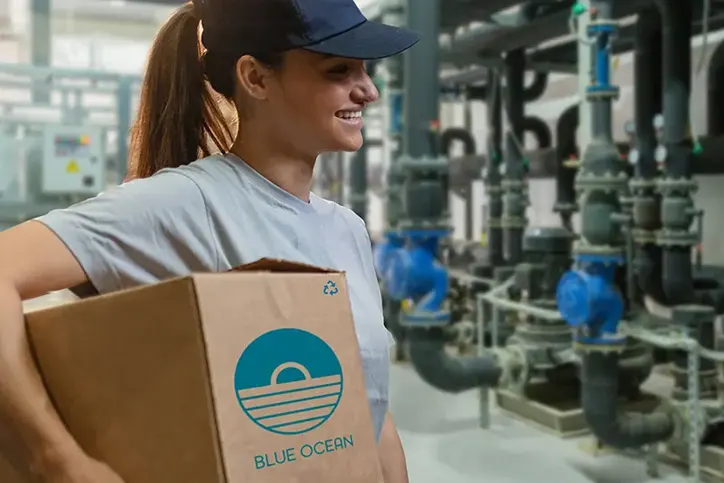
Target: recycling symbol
x=330, y=288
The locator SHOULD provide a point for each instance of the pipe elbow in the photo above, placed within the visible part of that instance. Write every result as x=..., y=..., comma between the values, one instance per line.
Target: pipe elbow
x=540, y=130
x=457, y=134
x=599, y=400
x=537, y=88
x=447, y=373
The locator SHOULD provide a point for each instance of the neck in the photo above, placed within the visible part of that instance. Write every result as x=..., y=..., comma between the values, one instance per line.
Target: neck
x=291, y=172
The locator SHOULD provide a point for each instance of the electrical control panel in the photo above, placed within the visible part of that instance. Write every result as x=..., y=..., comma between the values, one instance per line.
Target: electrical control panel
x=73, y=162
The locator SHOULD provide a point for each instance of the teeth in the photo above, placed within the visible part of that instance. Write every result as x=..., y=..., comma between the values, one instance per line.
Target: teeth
x=350, y=115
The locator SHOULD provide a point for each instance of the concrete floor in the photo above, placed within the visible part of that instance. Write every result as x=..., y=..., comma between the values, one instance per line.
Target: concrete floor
x=444, y=444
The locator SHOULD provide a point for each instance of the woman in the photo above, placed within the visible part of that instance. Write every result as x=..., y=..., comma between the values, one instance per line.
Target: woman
x=294, y=70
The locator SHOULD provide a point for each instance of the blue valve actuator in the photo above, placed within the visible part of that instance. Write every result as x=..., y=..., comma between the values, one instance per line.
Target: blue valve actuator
x=588, y=299
x=415, y=274
x=383, y=250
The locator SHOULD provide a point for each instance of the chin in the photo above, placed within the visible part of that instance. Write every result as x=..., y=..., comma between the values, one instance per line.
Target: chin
x=349, y=143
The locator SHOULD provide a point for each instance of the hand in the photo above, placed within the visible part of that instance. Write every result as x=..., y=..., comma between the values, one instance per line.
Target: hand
x=82, y=470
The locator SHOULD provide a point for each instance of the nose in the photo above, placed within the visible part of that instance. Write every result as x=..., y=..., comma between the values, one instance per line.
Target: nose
x=365, y=91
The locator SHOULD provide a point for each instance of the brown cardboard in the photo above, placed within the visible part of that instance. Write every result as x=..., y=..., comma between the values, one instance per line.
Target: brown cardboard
x=145, y=379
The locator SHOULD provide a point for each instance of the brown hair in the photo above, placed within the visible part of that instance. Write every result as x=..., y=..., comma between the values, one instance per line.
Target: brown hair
x=180, y=116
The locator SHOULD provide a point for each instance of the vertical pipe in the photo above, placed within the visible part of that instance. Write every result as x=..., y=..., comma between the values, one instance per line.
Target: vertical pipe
x=421, y=78
x=358, y=180
x=647, y=103
x=566, y=147
x=495, y=156
x=584, y=74
x=677, y=205
x=123, y=116
x=514, y=204
x=677, y=86
x=40, y=45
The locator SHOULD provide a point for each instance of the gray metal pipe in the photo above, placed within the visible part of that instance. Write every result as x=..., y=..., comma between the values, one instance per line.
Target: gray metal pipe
x=677, y=204
x=358, y=181
x=514, y=201
x=421, y=79
x=599, y=399
x=494, y=178
x=567, y=146
x=646, y=201
x=602, y=180
x=445, y=372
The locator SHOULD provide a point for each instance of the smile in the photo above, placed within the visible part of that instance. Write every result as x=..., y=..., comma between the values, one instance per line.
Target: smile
x=351, y=117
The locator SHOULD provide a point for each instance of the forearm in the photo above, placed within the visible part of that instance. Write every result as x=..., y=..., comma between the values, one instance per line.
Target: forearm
x=33, y=436
x=392, y=455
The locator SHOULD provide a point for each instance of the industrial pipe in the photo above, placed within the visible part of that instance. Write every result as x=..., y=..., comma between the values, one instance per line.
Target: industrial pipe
x=447, y=138
x=646, y=201
x=715, y=85
x=677, y=207
x=453, y=134
x=566, y=148
x=445, y=372
x=539, y=129
x=493, y=177
x=358, y=181
x=599, y=400
x=514, y=199
x=587, y=296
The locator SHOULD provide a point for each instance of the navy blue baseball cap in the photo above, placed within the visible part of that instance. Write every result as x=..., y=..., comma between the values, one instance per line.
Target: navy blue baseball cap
x=332, y=27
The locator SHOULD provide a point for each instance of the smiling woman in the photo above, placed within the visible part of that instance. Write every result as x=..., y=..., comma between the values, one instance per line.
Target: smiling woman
x=294, y=72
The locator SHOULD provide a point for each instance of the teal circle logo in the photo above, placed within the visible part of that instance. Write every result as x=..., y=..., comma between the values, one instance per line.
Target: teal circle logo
x=288, y=381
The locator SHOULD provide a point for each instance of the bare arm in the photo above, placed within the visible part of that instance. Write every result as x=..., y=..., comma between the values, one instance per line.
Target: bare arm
x=392, y=456
x=33, y=262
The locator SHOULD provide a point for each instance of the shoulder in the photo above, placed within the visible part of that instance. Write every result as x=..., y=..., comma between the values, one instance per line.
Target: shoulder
x=344, y=216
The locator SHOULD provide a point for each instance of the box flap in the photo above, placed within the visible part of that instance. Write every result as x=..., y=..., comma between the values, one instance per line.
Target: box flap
x=279, y=265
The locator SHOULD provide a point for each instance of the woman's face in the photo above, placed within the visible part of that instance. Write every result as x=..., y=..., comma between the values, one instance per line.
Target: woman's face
x=315, y=102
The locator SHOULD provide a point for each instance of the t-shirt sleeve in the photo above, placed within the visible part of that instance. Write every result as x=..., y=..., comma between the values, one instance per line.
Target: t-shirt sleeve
x=365, y=246
x=139, y=232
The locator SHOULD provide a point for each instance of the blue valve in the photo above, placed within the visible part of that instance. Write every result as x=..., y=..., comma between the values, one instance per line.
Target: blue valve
x=589, y=301
x=412, y=273
x=383, y=250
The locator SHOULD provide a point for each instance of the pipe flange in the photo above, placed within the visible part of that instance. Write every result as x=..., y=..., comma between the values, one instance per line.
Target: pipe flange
x=679, y=413
x=606, y=182
x=605, y=93
x=672, y=238
x=582, y=248
x=495, y=223
x=493, y=189
x=565, y=208
x=515, y=368
x=642, y=184
x=667, y=186
x=644, y=236
x=512, y=184
x=587, y=347
x=513, y=222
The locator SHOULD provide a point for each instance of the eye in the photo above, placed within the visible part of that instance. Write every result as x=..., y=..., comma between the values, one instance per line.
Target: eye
x=341, y=69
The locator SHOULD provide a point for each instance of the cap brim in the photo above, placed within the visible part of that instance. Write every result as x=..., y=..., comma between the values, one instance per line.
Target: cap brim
x=368, y=41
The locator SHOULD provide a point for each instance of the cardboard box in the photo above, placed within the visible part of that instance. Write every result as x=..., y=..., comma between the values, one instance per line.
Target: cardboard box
x=251, y=376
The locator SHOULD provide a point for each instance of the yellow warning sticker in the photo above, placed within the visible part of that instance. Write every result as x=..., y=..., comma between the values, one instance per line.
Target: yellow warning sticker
x=72, y=167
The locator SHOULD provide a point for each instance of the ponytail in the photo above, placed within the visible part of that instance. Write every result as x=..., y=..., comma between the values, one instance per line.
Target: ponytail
x=179, y=116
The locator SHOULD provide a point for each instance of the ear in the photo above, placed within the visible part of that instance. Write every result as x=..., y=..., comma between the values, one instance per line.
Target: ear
x=253, y=77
